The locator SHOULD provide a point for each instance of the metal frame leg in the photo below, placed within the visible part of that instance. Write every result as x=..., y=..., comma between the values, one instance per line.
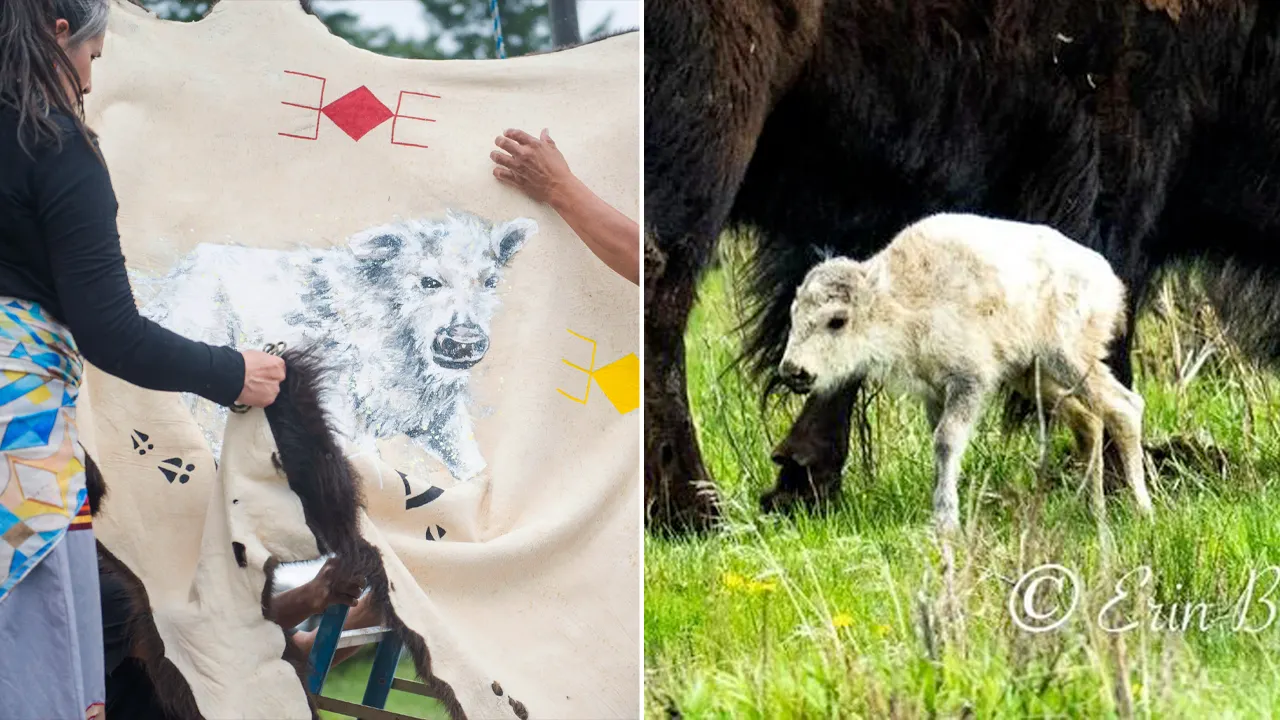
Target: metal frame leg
x=384, y=670
x=326, y=644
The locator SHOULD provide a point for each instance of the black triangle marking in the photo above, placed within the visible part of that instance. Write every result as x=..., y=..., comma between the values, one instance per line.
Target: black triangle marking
x=169, y=475
x=137, y=443
x=404, y=479
x=423, y=498
x=176, y=462
x=440, y=532
x=429, y=534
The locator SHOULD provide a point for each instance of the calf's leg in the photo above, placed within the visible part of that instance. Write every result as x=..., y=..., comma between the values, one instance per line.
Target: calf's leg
x=1088, y=427
x=1122, y=410
x=961, y=409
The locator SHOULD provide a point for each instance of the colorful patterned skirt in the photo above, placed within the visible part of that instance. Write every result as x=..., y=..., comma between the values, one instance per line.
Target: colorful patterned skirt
x=50, y=608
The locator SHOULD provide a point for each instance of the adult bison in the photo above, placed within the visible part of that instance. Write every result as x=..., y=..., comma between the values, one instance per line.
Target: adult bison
x=1147, y=129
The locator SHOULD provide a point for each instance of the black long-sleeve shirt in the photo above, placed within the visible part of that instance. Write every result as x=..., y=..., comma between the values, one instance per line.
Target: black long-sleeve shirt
x=59, y=247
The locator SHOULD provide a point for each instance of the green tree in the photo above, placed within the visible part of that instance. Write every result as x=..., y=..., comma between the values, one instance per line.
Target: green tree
x=455, y=28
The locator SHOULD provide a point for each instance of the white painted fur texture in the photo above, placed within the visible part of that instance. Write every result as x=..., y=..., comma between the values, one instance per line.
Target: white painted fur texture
x=401, y=312
x=957, y=306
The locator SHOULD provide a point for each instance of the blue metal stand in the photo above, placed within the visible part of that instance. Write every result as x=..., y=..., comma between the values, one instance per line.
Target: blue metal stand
x=326, y=644
x=381, y=677
x=385, y=661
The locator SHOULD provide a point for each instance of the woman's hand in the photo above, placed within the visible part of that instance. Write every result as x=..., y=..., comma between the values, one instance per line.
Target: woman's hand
x=263, y=374
x=533, y=166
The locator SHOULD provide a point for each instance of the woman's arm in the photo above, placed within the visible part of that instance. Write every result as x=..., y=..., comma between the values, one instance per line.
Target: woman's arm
x=76, y=209
x=536, y=167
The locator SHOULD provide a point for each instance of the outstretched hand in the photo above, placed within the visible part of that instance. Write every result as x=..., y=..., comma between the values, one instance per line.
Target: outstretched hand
x=532, y=165
x=535, y=167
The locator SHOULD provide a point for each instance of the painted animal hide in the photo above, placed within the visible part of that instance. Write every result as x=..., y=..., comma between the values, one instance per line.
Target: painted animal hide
x=279, y=186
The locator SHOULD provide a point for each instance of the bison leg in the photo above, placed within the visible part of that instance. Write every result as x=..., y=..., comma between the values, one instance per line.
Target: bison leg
x=678, y=492
x=811, y=458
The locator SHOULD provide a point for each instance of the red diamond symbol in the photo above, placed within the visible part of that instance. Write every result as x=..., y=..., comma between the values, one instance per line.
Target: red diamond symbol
x=357, y=112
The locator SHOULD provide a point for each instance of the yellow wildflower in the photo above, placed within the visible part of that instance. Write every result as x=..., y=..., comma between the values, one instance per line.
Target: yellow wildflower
x=842, y=620
x=734, y=581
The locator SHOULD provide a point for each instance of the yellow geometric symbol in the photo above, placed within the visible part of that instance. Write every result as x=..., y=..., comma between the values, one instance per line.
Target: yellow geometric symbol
x=619, y=380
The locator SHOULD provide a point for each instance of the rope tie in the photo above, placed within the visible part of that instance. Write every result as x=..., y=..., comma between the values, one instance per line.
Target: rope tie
x=497, y=29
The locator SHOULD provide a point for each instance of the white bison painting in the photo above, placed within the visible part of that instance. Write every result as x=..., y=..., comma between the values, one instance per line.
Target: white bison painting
x=401, y=312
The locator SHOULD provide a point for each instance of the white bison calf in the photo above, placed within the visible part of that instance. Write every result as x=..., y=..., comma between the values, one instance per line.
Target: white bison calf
x=958, y=306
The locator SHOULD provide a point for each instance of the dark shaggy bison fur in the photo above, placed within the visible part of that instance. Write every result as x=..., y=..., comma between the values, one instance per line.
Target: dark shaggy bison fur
x=311, y=457
x=1146, y=130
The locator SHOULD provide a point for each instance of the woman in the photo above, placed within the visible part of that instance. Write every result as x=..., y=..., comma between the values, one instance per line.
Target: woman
x=64, y=296
x=535, y=167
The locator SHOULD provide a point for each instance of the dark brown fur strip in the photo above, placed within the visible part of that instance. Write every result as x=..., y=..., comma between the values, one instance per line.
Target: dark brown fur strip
x=173, y=694
x=312, y=460
x=380, y=589
x=324, y=481
x=94, y=483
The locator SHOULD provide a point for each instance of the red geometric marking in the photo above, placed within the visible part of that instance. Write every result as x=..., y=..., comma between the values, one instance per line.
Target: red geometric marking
x=307, y=107
x=408, y=117
x=357, y=112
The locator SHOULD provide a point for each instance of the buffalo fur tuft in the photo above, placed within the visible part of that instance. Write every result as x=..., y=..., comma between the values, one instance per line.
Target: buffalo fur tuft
x=311, y=456
x=94, y=483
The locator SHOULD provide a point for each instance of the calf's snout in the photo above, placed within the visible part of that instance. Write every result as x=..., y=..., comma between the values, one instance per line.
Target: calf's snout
x=796, y=377
x=459, y=346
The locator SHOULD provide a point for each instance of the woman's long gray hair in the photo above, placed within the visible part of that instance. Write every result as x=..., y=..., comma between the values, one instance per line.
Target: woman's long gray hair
x=34, y=68
x=87, y=18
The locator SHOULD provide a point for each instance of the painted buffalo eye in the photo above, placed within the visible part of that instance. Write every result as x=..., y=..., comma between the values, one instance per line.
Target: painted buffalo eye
x=492, y=282
x=836, y=323
x=431, y=283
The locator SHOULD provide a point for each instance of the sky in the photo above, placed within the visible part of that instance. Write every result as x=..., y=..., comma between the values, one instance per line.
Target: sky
x=405, y=16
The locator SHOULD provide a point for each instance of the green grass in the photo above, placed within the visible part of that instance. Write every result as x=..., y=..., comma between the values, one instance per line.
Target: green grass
x=348, y=680
x=839, y=615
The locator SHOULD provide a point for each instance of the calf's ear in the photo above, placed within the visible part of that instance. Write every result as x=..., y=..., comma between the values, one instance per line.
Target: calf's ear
x=381, y=243
x=509, y=237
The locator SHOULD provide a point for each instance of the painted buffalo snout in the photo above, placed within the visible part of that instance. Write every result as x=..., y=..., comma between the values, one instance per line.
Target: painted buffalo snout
x=796, y=377
x=459, y=346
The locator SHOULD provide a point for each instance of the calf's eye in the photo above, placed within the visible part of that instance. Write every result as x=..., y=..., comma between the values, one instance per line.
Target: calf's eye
x=836, y=323
x=431, y=283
